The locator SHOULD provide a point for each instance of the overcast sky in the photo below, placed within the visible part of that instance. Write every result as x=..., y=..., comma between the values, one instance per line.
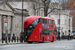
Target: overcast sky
x=57, y=1
x=54, y=0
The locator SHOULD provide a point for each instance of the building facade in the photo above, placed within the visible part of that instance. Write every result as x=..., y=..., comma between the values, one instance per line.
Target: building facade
x=71, y=7
x=14, y=17
x=64, y=21
x=6, y=12
x=13, y=13
x=33, y=7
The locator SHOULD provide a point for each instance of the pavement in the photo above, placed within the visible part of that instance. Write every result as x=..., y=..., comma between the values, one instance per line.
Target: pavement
x=12, y=43
x=9, y=43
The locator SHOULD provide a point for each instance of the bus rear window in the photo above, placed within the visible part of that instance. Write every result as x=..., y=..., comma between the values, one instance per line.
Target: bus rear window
x=55, y=32
x=53, y=22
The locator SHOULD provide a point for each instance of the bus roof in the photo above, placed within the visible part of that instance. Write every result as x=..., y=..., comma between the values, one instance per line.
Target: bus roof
x=36, y=17
x=47, y=18
x=30, y=19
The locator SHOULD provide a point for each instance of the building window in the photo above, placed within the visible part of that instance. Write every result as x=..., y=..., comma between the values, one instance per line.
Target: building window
x=58, y=21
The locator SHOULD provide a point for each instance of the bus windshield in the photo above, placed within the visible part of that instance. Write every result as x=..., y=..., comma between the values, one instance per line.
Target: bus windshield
x=30, y=28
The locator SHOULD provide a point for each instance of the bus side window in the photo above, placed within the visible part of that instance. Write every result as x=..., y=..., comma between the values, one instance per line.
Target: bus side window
x=42, y=32
x=53, y=22
x=45, y=20
x=55, y=32
x=49, y=21
x=52, y=26
x=45, y=32
x=50, y=32
x=41, y=20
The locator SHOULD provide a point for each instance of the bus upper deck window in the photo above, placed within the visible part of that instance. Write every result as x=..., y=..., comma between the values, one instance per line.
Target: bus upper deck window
x=53, y=22
x=49, y=21
x=41, y=20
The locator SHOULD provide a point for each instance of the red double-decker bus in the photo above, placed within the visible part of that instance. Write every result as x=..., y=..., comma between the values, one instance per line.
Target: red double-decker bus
x=39, y=29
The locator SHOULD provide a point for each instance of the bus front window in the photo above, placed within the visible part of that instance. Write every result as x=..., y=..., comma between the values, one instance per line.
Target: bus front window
x=29, y=30
x=34, y=23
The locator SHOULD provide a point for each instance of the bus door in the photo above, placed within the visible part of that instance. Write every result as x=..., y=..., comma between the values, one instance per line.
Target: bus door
x=35, y=34
x=40, y=32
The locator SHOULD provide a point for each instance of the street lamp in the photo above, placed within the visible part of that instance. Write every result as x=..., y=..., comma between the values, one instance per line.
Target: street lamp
x=69, y=28
x=59, y=27
x=69, y=24
x=21, y=34
x=22, y=17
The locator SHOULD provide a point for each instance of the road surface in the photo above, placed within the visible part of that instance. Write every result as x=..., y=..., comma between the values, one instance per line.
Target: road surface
x=57, y=45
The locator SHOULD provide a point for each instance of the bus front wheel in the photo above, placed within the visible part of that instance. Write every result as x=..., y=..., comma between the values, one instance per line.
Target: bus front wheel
x=52, y=39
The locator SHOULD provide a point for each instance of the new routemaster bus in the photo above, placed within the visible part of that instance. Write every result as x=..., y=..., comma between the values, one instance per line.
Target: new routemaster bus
x=39, y=29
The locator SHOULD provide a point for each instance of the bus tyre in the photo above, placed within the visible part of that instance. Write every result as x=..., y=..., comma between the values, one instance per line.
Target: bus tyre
x=29, y=42
x=52, y=39
x=43, y=40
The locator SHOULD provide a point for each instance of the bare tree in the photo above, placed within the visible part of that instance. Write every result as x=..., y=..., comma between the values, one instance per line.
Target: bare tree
x=46, y=6
x=2, y=1
x=66, y=4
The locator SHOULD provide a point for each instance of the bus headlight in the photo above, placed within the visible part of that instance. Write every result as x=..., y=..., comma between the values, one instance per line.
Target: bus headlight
x=35, y=36
x=26, y=36
x=30, y=39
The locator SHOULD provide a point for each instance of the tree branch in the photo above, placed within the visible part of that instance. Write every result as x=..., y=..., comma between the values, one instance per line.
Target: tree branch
x=39, y=8
x=67, y=4
x=51, y=11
